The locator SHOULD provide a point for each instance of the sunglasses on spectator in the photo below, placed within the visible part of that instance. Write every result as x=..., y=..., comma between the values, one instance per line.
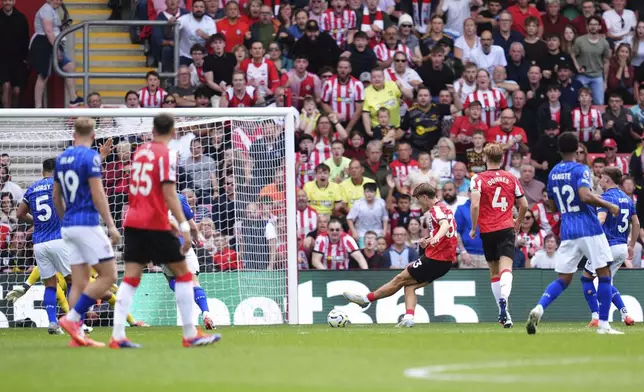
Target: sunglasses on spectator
x=609, y=149
x=581, y=152
x=325, y=76
x=400, y=60
x=406, y=25
x=335, y=230
x=170, y=101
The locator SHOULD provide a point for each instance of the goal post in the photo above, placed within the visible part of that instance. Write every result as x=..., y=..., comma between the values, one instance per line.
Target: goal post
x=248, y=256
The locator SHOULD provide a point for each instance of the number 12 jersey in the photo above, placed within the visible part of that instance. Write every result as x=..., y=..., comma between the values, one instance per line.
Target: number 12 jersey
x=499, y=189
x=153, y=164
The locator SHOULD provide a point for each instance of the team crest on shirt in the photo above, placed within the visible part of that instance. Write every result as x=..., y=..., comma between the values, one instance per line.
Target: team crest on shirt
x=556, y=218
x=307, y=88
x=97, y=160
x=238, y=32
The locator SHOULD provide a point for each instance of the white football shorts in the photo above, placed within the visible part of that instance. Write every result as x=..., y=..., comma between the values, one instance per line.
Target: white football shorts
x=191, y=260
x=52, y=257
x=571, y=252
x=620, y=253
x=87, y=245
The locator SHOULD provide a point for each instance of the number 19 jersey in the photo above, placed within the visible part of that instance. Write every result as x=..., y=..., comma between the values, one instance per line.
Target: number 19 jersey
x=499, y=189
x=153, y=164
x=578, y=219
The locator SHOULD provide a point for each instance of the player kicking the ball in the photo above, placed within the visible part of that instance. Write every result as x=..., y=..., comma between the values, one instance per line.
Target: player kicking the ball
x=493, y=194
x=79, y=198
x=616, y=230
x=148, y=234
x=569, y=188
x=440, y=252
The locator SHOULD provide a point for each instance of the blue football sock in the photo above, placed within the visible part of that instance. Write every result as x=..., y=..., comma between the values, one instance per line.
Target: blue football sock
x=553, y=290
x=200, y=299
x=171, y=283
x=604, y=295
x=49, y=300
x=590, y=294
x=83, y=304
x=617, y=299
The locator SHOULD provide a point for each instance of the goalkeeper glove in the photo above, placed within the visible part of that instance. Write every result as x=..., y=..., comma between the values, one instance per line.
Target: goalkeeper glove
x=16, y=293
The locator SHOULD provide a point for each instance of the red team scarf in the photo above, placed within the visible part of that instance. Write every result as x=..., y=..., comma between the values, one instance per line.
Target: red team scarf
x=366, y=24
x=421, y=16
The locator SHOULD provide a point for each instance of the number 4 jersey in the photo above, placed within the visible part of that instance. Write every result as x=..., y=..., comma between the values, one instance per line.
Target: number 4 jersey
x=445, y=249
x=578, y=219
x=152, y=165
x=499, y=189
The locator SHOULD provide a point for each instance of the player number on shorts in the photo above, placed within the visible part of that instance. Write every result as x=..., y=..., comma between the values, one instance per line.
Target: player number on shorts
x=41, y=207
x=623, y=226
x=69, y=184
x=498, y=201
x=141, y=181
x=569, y=194
x=417, y=263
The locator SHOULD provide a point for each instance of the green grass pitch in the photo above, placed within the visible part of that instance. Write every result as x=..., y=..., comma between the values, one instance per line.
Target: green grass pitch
x=437, y=357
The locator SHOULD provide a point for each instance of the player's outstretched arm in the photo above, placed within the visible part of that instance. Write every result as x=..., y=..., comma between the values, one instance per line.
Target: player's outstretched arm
x=59, y=203
x=523, y=209
x=100, y=201
x=588, y=197
x=169, y=190
x=23, y=213
x=475, y=199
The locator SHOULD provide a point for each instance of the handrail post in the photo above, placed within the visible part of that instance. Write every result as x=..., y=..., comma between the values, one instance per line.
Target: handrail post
x=85, y=60
x=176, y=54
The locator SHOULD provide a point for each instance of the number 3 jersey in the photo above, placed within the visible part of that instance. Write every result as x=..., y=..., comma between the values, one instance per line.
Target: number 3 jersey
x=445, y=249
x=499, y=189
x=616, y=227
x=153, y=164
x=40, y=201
x=578, y=219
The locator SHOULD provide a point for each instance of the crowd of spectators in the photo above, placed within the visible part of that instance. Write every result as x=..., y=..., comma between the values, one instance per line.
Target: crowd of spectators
x=390, y=95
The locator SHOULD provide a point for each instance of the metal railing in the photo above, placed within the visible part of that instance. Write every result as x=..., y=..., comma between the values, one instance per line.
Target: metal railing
x=86, y=74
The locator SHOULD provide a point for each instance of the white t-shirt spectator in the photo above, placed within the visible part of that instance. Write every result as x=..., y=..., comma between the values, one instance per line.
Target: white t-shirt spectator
x=488, y=61
x=467, y=50
x=182, y=146
x=188, y=36
x=620, y=25
x=457, y=12
x=460, y=200
x=465, y=89
x=542, y=260
x=369, y=216
x=443, y=169
x=14, y=189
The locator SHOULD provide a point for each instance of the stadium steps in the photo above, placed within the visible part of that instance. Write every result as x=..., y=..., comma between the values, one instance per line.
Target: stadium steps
x=110, y=50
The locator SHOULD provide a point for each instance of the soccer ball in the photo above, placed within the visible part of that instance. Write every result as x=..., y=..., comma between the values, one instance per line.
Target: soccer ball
x=337, y=319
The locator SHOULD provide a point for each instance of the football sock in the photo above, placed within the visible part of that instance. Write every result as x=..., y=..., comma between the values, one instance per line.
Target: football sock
x=590, y=294
x=124, y=299
x=81, y=307
x=61, y=300
x=496, y=290
x=617, y=301
x=49, y=300
x=604, y=295
x=505, y=282
x=371, y=297
x=185, y=299
x=34, y=277
x=554, y=289
x=200, y=299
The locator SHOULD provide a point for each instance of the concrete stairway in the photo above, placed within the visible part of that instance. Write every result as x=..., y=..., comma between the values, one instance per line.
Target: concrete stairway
x=110, y=50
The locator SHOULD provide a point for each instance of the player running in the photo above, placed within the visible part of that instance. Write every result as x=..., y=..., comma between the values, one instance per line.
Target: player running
x=79, y=199
x=616, y=230
x=193, y=263
x=440, y=252
x=493, y=193
x=148, y=235
x=570, y=189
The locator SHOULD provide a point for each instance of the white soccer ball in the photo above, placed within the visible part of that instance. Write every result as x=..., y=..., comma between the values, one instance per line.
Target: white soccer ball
x=337, y=319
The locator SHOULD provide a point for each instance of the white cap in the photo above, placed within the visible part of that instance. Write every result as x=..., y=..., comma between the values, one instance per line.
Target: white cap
x=405, y=19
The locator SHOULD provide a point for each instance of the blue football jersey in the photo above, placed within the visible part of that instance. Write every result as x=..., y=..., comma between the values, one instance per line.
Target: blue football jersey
x=74, y=168
x=616, y=227
x=39, y=198
x=578, y=219
x=187, y=211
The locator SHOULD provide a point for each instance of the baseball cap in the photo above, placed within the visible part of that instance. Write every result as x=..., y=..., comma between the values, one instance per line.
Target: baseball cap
x=365, y=77
x=552, y=124
x=610, y=143
x=405, y=19
x=564, y=64
x=312, y=25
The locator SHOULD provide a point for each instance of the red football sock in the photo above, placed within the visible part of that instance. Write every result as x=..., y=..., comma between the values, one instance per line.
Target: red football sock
x=410, y=311
x=371, y=297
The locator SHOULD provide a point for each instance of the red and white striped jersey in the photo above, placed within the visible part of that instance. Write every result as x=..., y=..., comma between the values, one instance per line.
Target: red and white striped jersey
x=621, y=163
x=533, y=242
x=309, y=85
x=338, y=26
x=148, y=99
x=307, y=170
x=307, y=221
x=264, y=74
x=243, y=138
x=445, y=249
x=549, y=222
x=493, y=101
x=247, y=100
x=343, y=97
x=383, y=53
x=400, y=170
x=335, y=255
x=586, y=123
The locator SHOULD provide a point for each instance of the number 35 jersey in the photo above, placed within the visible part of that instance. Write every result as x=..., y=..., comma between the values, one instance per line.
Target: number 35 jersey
x=445, y=249
x=499, y=190
x=40, y=201
x=616, y=227
x=578, y=219
x=153, y=164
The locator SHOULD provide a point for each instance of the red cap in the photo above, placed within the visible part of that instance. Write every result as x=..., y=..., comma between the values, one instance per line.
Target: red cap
x=609, y=143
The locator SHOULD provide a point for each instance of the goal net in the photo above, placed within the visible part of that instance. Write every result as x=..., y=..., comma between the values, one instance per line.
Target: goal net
x=237, y=173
